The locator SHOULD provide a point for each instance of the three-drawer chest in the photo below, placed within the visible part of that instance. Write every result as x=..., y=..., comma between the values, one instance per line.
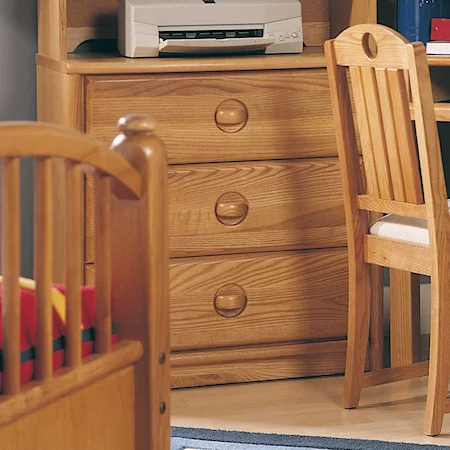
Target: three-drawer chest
x=258, y=276
x=258, y=268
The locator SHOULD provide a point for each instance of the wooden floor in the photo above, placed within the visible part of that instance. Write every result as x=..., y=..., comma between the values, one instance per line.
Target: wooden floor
x=309, y=407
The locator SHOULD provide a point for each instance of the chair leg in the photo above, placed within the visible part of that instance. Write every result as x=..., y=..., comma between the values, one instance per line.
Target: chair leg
x=438, y=376
x=358, y=333
x=376, y=331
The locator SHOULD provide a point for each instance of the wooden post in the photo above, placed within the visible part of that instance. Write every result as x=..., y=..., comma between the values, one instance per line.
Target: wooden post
x=140, y=237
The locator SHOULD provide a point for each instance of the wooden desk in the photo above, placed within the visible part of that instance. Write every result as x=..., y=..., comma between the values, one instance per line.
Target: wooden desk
x=439, y=60
x=439, y=67
x=442, y=111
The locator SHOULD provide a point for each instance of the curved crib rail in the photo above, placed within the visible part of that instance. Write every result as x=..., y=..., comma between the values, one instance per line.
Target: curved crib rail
x=45, y=143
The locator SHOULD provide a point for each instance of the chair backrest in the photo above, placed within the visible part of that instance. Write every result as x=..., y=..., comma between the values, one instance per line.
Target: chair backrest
x=51, y=146
x=389, y=80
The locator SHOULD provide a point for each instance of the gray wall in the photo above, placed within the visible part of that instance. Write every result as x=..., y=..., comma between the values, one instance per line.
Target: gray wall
x=18, y=45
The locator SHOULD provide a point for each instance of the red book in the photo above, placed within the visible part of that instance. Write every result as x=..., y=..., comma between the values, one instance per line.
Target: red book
x=440, y=30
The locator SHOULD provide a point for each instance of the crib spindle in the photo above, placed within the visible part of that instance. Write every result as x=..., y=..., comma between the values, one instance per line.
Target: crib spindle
x=102, y=263
x=74, y=238
x=43, y=267
x=11, y=273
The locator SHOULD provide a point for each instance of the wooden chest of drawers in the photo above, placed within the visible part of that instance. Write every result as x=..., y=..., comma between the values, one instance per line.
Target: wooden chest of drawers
x=257, y=231
x=258, y=276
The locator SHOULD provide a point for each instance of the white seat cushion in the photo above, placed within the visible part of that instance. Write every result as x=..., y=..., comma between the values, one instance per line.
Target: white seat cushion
x=402, y=228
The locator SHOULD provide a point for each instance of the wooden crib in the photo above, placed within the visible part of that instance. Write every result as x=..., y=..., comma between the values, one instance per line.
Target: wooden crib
x=117, y=398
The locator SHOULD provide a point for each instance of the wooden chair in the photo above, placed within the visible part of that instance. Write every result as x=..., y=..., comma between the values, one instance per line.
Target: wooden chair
x=403, y=178
x=117, y=398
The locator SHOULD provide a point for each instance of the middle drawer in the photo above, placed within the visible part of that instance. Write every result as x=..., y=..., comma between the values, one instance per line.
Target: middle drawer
x=234, y=208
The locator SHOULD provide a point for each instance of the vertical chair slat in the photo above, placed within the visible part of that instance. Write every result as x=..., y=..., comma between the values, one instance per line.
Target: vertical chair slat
x=407, y=85
x=11, y=272
x=366, y=139
x=74, y=189
x=390, y=131
x=408, y=156
x=102, y=263
x=43, y=269
x=377, y=132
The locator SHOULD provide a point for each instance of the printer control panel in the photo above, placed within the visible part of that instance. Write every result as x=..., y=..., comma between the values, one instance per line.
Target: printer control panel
x=287, y=36
x=281, y=36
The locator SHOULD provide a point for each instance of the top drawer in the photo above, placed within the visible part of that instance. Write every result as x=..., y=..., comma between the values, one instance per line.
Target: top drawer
x=211, y=117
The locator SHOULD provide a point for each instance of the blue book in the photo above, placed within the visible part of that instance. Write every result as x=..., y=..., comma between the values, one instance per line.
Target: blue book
x=414, y=17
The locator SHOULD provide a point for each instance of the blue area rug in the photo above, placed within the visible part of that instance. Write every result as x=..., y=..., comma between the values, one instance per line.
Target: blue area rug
x=201, y=439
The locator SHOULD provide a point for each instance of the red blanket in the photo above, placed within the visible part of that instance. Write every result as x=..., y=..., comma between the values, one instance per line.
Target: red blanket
x=28, y=327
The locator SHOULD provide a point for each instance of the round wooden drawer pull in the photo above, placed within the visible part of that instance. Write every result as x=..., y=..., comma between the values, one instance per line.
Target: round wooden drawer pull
x=231, y=208
x=231, y=116
x=230, y=301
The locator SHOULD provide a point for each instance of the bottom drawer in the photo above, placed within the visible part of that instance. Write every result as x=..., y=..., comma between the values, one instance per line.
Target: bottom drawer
x=258, y=299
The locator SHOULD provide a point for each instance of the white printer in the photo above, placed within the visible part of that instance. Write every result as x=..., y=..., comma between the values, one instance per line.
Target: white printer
x=149, y=28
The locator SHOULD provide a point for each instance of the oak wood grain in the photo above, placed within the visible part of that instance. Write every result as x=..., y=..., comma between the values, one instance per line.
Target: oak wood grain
x=89, y=226
x=139, y=179
x=315, y=33
x=84, y=13
x=74, y=273
x=289, y=205
x=375, y=127
x=387, y=129
x=63, y=107
x=441, y=110
x=439, y=60
x=107, y=64
x=370, y=203
x=438, y=221
x=247, y=364
x=376, y=326
x=289, y=113
x=43, y=267
x=290, y=117
x=351, y=51
x=10, y=175
x=397, y=254
x=404, y=318
x=52, y=25
x=290, y=297
x=395, y=374
x=103, y=244
x=113, y=64
x=140, y=305
x=402, y=133
x=60, y=142
x=360, y=290
x=98, y=417
x=37, y=395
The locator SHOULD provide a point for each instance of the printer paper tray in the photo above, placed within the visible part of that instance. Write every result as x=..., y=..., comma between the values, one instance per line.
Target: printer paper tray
x=214, y=45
